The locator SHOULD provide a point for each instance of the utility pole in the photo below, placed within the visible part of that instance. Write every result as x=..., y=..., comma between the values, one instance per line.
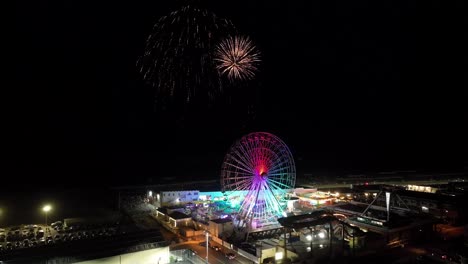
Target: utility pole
x=207, y=237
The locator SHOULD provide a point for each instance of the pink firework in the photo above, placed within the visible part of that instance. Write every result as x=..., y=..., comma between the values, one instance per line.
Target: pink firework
x=237, y=58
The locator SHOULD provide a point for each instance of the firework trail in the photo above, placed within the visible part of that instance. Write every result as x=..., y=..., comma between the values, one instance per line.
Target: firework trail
x=237, y=57
x=178, y=59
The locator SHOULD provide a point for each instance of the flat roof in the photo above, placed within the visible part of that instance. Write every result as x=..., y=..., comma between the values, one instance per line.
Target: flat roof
x=178, y=215
x=221, y=220
x=162, y=210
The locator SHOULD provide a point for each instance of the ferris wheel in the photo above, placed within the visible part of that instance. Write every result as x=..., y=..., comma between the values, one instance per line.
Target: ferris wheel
x=260, y=169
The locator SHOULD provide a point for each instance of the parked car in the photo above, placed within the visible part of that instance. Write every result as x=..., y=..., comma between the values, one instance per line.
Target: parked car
x=58, y=223
x=40, y=234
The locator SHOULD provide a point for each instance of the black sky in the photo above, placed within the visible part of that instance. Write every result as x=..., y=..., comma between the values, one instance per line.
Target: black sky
x=349, y=86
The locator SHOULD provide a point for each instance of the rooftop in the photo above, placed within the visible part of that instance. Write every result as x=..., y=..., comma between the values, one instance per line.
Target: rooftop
x=178, y=215
x=221, y=220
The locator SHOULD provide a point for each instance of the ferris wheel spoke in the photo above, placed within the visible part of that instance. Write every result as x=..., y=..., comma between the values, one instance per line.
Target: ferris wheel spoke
x=246, y=157
x=241, y=158
x=281, y=177
x=277, y=190
x=259, y=150
x=258, y=146
x=241, y=186
x=249, y=154
x=278, y=165
x=277, y=174
x=263, y=157
x=245, y=185
x=273, y=200
x=270, y=180
x=240, y=168
x=276, y=183
x=238, y=174
x=250, y=201
x=242, y=177
x=270, y=200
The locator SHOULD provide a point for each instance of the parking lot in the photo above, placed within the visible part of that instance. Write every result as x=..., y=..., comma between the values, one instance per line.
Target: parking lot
x=17, y=238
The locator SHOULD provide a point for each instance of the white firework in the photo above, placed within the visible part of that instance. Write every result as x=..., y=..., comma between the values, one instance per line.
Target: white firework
x=237, y=57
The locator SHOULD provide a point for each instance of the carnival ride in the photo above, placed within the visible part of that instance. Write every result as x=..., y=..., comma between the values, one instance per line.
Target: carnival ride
x=257, y=176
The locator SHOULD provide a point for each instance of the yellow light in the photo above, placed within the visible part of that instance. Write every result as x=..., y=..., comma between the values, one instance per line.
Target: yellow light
x=46, y=208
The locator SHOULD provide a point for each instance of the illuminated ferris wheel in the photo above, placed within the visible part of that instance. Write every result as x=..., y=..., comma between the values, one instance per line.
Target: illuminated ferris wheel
x=259, y=168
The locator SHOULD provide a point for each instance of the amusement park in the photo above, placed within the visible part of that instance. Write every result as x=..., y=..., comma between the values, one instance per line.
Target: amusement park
x=241, y=132
x=256, y=212
x=259, y=212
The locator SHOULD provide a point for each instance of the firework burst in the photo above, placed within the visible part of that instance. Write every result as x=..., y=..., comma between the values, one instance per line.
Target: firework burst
x=178, y=58
x=237, y=57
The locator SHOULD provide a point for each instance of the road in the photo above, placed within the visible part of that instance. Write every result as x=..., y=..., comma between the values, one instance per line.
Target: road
x=214, y=257
x=146, y=222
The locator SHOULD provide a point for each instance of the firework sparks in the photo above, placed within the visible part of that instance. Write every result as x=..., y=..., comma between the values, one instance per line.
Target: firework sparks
x=237, y=58
x=178, y=58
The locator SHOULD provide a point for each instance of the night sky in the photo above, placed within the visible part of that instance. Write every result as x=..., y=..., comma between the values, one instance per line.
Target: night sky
x=350, y=86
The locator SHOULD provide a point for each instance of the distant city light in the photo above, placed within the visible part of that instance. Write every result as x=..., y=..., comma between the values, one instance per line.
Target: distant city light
x=150, y=194
x=309, y=238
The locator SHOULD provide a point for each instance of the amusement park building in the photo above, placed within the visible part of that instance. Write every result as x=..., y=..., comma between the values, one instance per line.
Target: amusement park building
x=221, y=227
x=168, y=198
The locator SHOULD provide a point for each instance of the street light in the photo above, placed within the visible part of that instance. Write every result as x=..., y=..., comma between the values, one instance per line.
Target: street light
x=46, y=209
x=207, y=234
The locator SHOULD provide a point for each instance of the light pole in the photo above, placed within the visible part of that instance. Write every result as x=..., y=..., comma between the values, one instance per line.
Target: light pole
x=207, y=236
x=46, y=209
